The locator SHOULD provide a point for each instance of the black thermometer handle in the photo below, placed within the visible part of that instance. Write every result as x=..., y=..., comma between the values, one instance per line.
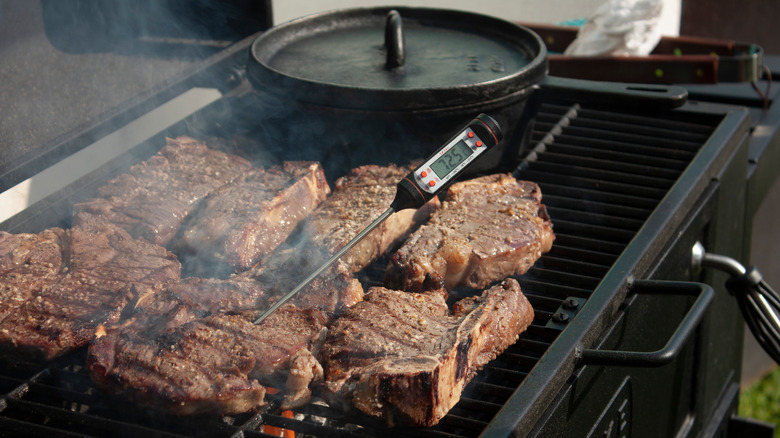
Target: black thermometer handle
x=445, y=165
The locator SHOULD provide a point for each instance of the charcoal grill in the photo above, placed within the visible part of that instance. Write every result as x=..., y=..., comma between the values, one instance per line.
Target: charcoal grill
x=626, y=341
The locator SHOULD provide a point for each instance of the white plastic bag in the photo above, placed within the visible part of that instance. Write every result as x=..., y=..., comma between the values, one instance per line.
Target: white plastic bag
x=620, y=27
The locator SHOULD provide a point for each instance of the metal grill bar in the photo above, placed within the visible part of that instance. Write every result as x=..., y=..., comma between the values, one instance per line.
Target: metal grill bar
x=594, y=231
x=588, y=244
x=552, y=291
x=628, y=158
x=609, y=165
x=606, y=209
x=598, y=195
x=567, y=177
x=697, y=132
x=597, y=176
x=658, y=148
x=560, y=278
x=546, y=304
x=574, y=266
x=593, y=218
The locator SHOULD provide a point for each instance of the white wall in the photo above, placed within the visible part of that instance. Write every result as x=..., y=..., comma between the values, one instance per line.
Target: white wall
x=539, y=11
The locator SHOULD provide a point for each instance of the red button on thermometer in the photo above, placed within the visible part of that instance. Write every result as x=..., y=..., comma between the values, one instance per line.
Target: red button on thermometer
x=422, y=184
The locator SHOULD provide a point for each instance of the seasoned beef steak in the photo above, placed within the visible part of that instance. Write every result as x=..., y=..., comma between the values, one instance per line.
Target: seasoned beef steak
x=152, y=200
x=404, y=358
x=244, y=221
x=29, y=263
x=204, y=327
x=197, y=370
x=332, y=291
x=99, y=270
x=176, y=354
x=358, y=198
x=487, y=229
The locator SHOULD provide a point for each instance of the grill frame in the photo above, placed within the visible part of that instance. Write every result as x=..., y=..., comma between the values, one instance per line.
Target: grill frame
x=552, y=365
x=646, y=256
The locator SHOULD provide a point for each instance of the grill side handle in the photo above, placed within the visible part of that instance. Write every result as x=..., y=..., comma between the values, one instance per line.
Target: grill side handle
x=644, y=96
x=661, y=357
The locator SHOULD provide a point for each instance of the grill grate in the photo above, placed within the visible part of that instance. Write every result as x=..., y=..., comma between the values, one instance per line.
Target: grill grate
x=602, y=173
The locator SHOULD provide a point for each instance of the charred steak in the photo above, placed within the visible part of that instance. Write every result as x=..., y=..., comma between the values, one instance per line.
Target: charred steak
x=95, y=279
x=487, y=229
x=192, y=349
x=405, y=358
x=244, y=221
x=357, y=199
x=332, y=291
x=29, y=263
x=152, y=200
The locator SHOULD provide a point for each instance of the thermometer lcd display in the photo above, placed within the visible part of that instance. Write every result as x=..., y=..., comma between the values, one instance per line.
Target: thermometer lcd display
x=451, y=159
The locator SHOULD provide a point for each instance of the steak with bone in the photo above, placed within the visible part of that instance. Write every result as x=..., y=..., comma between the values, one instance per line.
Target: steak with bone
x=90, y=285
x=208, y=364
x=194, y=348
x=156, y=195
x=487, y=229
x=404, y=357
x=244, y=221
x=204, y=327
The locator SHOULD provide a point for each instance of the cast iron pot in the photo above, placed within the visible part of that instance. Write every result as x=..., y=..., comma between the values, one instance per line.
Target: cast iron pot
x=379, y=85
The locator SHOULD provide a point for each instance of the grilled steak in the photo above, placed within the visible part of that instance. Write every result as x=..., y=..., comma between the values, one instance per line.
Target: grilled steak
x=175, y=354
x=487, y=229
x=29, y=263
x=244, y=221
x=204, y=327
x=332, y=291
x=358, y=198
x=99, y=268
x=152, y=200
x=192, y=298
x=404, y=358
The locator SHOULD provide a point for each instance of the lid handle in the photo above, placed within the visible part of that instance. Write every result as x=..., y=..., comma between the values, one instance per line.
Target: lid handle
x=394, y=41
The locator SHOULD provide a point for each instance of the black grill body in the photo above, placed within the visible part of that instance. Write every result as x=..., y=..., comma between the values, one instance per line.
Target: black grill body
x=689, y=395
x=630, y=185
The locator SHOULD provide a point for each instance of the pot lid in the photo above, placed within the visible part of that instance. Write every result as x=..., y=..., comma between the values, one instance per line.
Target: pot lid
x=397, y=58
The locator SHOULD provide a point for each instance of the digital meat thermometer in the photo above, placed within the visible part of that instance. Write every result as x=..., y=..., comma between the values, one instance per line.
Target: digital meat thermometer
x=421, y=185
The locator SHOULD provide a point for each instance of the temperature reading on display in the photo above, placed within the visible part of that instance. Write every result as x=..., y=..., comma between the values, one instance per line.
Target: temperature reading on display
x=451, y=159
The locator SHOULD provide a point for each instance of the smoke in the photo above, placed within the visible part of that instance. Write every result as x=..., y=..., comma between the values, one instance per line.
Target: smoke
x=76, y=72
x=164, y=28
x=70, y=65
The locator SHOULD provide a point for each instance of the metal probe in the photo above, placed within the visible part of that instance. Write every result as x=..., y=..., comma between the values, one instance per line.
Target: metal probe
x=326, y=265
